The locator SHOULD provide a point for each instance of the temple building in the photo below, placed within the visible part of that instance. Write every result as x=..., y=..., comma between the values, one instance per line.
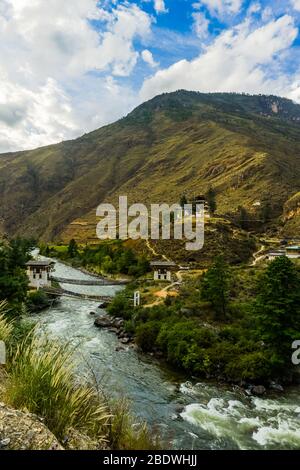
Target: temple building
x=38, y=272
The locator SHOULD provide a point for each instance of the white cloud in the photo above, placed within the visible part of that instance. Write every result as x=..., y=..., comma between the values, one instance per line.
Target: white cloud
x=241, y=59
x=296, y=4
x=201, y=24
x=267, y=14
x=159, y=6
x=294, y=93
x=221, y=7
x=47, y=52
x=148, y=58
x=33, y=118
x=254, y=8
x=196, y=5
x=60, y=77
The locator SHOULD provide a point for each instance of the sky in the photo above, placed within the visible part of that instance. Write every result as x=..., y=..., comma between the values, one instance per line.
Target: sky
x=69, y=67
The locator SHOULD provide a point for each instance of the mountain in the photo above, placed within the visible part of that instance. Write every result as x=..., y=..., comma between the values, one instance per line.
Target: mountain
x=246, y=147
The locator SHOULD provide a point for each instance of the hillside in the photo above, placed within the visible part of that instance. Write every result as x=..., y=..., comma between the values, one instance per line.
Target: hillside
x=246, y=147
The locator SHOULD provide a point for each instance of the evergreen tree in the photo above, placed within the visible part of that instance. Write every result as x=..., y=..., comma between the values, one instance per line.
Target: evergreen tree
x=211, y=200
x=183, y=200
x=72, y=248
x=13, y=278
x=277, y=308
x=215, y=286
x=242, y=217
x=265, y=212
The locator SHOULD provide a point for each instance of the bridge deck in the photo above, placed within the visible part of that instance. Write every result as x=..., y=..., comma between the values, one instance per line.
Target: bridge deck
x=89, y=282
x=67, y=293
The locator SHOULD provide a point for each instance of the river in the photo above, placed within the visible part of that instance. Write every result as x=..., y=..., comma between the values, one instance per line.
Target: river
x=186, y=414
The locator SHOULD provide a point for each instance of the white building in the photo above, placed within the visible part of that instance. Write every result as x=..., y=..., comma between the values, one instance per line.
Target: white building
x=38, y=272
x=163, y=270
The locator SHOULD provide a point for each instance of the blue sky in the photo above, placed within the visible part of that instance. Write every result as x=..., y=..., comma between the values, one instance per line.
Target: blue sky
x=70, y=67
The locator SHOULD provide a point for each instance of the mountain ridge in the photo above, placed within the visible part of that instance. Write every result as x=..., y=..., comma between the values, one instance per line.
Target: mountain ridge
x=244, y=146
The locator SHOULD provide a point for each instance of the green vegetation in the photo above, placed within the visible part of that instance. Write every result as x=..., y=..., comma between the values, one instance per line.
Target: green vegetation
x=40, y=377
x=277, y=309
x=105, y=258
x=232, y=323
x=211, y=200
x=6, y=326
x=215, y=287
x=37, y=300
x=72, y=248
x=13, y=278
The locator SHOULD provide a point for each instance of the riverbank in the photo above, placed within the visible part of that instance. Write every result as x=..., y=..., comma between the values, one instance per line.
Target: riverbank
x=144, y=341
x=44, y=406
x=200, y=414
x=237, y=340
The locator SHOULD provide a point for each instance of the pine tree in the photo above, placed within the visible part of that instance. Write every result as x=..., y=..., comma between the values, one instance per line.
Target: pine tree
x=72, y=248
x=277, y=307
x=215, y=286
x=183, y=200
x=211, y=200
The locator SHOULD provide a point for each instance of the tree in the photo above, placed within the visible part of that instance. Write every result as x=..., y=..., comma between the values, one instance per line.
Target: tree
x=183, y=200
x=265, y=212
x=242, y=217
x=72, y=248
x=215, y=286
x=211, y=200
x=19, y=251
x=13, y=278
x=277, y=308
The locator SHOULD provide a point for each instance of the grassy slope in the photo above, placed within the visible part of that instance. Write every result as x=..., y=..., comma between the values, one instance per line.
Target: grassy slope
x=176, y=142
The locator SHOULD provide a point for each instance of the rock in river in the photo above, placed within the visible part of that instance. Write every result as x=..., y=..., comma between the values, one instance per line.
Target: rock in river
x=258, y=390
x=103, y=322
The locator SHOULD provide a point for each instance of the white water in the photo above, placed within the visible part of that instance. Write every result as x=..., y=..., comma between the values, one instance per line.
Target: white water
x=186, y=415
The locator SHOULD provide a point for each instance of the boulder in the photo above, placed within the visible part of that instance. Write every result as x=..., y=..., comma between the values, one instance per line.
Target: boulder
x=113, y=330
x=103, y=322
x=104, y=305
x=24, y=431
x=276, y=386
x=125, y=340
x=258, y=390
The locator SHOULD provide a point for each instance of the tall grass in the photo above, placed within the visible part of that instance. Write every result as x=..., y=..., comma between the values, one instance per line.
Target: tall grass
x=125, y=433
x=6, y=327
x=40, y=377
x=41, y=380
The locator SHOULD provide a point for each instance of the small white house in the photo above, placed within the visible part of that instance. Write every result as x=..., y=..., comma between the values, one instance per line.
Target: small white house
x=163, y=270
x=38, y=272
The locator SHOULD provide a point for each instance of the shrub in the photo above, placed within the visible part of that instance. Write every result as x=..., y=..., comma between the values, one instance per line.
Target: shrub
x=254, y=365
x=146, y=334
x=37, y=300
